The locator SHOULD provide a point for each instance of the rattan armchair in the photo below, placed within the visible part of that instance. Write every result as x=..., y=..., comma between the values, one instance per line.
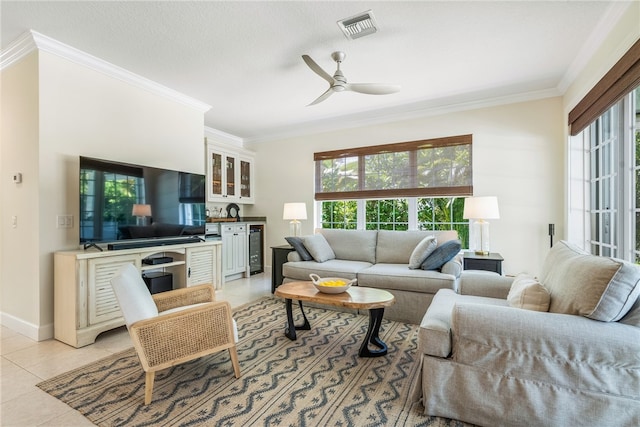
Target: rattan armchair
x=173, y=327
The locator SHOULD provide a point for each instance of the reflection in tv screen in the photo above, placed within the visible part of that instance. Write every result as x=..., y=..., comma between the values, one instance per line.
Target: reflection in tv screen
x=126, y=201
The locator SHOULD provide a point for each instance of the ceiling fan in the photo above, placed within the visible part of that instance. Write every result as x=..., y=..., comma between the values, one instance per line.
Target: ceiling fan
x=338, y=82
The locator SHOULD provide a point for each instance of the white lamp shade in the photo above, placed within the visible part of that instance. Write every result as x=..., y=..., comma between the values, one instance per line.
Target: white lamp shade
x=481, y=208
x=141, y=210
x=294, y=211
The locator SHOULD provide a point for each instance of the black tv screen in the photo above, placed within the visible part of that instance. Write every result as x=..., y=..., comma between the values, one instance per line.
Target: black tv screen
x=125, y=201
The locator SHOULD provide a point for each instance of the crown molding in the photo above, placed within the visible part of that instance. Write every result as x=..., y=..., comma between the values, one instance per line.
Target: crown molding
x=32, y=40
x=607, y=23
x=223, y=137
x=18, y=49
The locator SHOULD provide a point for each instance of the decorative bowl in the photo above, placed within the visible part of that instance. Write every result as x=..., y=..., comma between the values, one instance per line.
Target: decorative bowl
x=331, y=285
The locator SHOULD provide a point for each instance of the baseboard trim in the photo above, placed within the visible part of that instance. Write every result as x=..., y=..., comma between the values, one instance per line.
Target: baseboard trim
x=30, y=330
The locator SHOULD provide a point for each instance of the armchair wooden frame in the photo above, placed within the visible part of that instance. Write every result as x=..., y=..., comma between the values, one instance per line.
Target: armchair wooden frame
x=182, y=335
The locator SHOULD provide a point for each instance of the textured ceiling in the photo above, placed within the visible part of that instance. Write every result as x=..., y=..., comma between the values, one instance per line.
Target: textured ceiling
x=244, y=58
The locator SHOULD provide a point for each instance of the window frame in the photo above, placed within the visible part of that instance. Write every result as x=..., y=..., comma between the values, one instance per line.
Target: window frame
x=624, y=208
x=412, y=147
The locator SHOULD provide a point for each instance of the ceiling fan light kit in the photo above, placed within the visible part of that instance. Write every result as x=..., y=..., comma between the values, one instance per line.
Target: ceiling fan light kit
x=338, y=82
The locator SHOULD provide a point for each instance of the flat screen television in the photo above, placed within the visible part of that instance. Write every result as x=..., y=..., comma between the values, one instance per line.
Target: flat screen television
x=120, y=201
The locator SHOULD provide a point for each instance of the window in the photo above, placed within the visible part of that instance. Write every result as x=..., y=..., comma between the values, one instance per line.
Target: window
x=390, y=214
x=412, y=213
x=428, y=168
x=612, y=142
x=339, y=214
x=405, y=186
x=604, y=126
x=444, y=213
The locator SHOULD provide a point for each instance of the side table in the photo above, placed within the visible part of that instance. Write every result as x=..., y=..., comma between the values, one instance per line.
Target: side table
x=278, y=257
x=491, y=262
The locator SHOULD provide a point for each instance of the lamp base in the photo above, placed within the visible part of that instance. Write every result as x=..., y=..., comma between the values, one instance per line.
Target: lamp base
x=294, y=228
x=484, y=253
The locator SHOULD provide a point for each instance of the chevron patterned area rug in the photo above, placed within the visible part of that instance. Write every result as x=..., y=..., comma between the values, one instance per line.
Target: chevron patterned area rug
x=317, y=380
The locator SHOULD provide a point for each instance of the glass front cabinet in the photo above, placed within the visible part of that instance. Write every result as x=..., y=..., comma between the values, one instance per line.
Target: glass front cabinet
x=230, y=174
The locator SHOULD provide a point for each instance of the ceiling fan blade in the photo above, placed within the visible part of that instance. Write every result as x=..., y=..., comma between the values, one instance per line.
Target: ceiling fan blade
x=372, y=88
x=316, y=69
x=322, y=97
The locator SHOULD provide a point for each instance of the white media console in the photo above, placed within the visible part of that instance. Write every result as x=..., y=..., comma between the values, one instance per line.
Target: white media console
x=84, y=303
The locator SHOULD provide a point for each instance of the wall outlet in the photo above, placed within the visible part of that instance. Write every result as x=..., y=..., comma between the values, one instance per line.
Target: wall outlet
x=64, y=221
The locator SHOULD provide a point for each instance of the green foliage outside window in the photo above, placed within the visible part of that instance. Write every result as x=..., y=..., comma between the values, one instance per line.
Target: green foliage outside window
x=442, y=213
x=392, y=214
x=340, y=214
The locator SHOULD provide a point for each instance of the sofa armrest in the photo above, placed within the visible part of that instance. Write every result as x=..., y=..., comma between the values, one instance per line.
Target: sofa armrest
x=453, y=267
x=484, y=284
x=566, y=349
x=293, y=256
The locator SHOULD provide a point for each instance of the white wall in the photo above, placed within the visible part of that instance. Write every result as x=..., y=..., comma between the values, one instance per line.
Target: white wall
x=79, y=112
x=517, y=156
x=19, y=247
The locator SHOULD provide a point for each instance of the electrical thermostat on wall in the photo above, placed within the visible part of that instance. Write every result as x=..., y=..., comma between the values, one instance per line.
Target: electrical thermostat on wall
x=17, y=177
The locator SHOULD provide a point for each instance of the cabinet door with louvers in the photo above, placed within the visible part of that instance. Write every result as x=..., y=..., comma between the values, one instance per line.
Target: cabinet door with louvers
x=102, y=303
x=200, y=263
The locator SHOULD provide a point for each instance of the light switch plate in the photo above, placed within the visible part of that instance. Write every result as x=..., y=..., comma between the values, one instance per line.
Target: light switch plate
x=64, y=221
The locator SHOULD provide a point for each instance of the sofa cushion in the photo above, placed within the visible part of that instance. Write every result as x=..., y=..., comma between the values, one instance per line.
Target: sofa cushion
x=298, y=245
x=596, y=287
x=354, y=245
x=422, y=250
x=441, y=255
x=300, y=270
x=399, y=277
x=395, y=247
x=527, y=293
x=318, y=247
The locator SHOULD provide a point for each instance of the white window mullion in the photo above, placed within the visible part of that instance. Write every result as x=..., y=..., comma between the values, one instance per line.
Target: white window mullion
x=627, y=189
x=362, y=214
x=412, y=203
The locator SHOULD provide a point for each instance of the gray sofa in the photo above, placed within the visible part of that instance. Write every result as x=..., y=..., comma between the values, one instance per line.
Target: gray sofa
x=380, y=259
x=486, y=362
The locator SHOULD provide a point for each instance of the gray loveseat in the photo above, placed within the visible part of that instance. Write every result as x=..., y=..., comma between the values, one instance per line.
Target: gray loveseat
x=486, y=362
x=380, y=259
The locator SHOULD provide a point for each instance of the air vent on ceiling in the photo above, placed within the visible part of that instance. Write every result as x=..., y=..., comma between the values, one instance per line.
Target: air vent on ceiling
x=359, y=25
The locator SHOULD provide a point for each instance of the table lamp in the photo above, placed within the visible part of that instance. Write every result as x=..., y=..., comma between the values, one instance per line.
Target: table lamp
x=142, y=212
x=480, y=209
x=294, y=212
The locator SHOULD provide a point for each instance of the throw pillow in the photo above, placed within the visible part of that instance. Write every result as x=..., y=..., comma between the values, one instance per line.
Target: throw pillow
x=527, y=293
x=596, y=287
x=298, y=245
x=318, y=247
x=442, y=255
x=422, y=251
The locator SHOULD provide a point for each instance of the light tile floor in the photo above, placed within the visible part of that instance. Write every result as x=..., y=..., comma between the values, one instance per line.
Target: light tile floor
x=25, y=362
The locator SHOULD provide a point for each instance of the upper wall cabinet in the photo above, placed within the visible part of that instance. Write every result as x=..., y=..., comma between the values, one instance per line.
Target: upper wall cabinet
x=230, y=174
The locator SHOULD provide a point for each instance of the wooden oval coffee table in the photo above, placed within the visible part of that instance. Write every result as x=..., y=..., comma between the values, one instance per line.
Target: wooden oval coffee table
x=374, y=300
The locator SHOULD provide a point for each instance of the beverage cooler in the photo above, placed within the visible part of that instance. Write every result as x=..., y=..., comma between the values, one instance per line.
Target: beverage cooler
x=256, y=249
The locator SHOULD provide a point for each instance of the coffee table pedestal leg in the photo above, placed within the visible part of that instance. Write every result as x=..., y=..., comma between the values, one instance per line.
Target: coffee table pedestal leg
x=375, y=320
x=291, y=328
